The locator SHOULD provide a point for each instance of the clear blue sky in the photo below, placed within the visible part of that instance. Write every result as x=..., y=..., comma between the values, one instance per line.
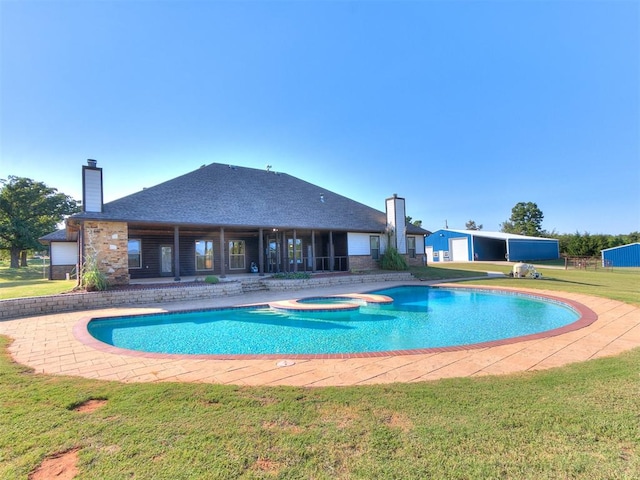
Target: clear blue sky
x=463, y=108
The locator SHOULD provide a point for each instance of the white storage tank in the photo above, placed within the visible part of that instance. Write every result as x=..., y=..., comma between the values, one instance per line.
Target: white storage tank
x=520, y=270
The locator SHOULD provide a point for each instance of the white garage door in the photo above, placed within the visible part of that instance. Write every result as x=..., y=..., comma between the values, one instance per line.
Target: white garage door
x=459, y=250
x=64, y=253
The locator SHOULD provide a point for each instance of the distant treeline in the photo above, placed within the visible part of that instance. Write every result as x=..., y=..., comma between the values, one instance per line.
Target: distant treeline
x=587, y=245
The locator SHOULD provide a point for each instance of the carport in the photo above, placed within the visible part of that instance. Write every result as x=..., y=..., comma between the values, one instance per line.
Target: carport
x=476, y=245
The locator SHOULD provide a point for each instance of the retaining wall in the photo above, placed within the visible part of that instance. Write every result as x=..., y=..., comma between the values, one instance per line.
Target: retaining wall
x=281, y=285
x=49, y=304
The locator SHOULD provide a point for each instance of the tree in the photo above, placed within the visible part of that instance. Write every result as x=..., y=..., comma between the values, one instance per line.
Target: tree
x=526, y=219
x=587, y=245
x=29, y=210
x=417, y=223
x=471, y=225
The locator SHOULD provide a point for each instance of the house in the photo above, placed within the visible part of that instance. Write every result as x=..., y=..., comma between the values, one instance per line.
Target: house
x=477, y=245
x=224, y=219
x=622, y=256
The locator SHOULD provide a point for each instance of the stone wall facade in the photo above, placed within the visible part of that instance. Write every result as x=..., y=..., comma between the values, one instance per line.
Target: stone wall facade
x=365, y=262
x=59, y=272
x=418, y=261
x=107, y=242
x=362, y=262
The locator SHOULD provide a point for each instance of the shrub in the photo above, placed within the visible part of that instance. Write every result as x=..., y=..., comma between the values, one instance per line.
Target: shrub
x=291, y=276
x=92, y=278
x=211, y=279
x=392, y=260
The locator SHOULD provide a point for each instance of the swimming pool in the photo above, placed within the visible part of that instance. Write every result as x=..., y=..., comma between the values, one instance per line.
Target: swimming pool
x=419, y=318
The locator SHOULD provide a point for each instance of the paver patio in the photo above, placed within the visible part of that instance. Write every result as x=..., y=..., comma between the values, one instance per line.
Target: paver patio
x=48, y=344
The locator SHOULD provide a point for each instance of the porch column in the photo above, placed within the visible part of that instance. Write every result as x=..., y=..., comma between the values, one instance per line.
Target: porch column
x=176, y=253
x=331, y=258
x=283, y=257
x=222, y=269
x=261, y=253
x=295, y=255
x=313, y=250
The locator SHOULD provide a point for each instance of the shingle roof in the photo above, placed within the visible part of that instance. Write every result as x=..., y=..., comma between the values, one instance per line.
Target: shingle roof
x=57, y=236
x=225, y=195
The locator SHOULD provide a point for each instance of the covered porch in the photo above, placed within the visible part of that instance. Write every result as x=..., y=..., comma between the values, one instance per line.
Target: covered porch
x=178, y=251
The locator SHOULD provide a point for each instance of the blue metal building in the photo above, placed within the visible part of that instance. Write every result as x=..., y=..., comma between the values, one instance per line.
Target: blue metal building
x=622, y=256
x=476, y=245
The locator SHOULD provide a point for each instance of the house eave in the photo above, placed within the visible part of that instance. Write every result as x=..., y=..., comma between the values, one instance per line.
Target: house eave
x=78, y=220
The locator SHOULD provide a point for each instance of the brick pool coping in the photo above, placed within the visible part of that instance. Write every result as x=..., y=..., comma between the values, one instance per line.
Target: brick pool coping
x=586, y=317
x=46, y=344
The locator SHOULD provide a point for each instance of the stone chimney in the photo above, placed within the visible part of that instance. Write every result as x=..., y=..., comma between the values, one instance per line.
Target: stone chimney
x=91, y=187
x=396, y=223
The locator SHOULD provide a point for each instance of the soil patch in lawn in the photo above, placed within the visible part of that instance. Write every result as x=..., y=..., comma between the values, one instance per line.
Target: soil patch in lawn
x=90, y=405
x=61, y=466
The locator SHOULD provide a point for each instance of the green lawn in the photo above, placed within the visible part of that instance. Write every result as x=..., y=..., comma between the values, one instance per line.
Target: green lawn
x=620, y=284
x=581, y=421
x=449, y=271
x=30, y=281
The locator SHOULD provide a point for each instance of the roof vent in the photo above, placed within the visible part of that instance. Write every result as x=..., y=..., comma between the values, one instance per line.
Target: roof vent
x=92, y=163
x=322, y=197
x=268, y=167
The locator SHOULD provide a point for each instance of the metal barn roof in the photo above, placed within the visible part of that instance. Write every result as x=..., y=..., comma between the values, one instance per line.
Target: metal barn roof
x=498, y=235
x=620, y=246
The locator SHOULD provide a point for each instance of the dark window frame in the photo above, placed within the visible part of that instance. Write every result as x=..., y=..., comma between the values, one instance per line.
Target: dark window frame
x=298, y=249
x=411, y=251
x=205, y=256
x=138, y=255
x=373, y=251
x=232, y=255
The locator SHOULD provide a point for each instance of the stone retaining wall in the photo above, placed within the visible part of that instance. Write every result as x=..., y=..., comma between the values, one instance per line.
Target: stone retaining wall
x=25, y=307
x=281, y=285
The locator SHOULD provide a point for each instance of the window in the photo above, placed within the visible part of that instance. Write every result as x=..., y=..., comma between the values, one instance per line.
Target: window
x=204, y=255
x=134, y=250
x=374, y=242
x=411, y=246
x=298, y=251
x=236, y=255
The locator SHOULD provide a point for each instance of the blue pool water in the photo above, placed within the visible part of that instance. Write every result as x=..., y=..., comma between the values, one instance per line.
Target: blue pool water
x=420, y=317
